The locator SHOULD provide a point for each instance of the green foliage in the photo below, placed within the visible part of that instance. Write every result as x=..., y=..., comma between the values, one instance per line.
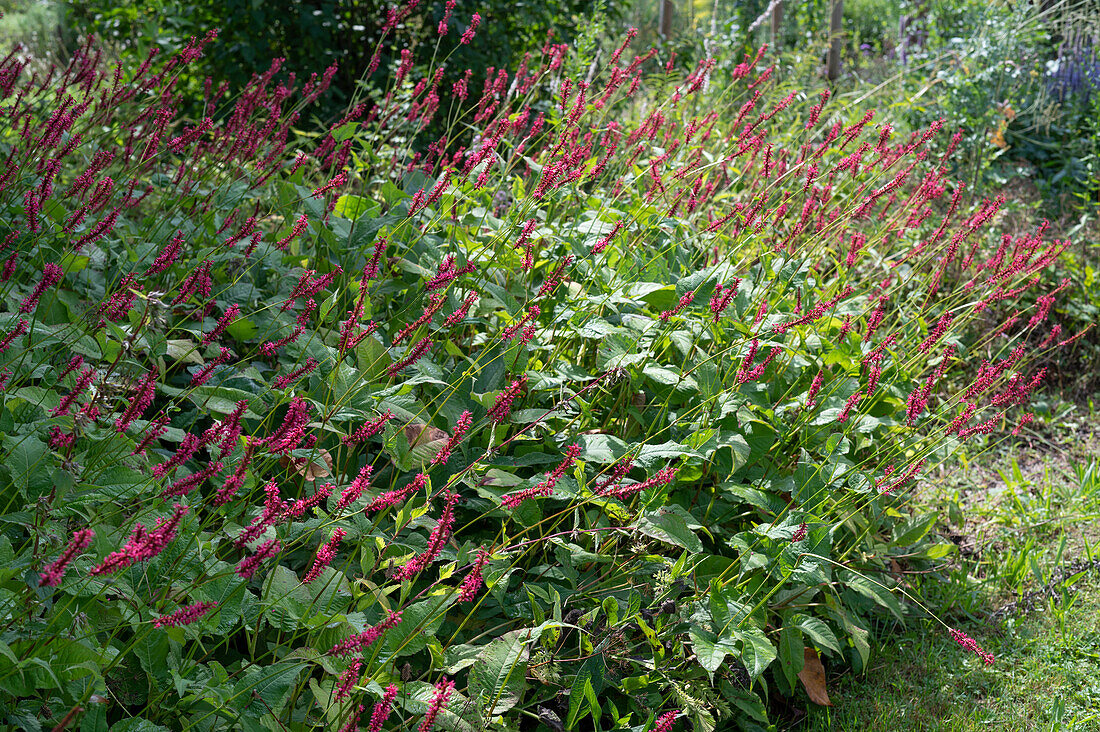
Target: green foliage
x=342, y=33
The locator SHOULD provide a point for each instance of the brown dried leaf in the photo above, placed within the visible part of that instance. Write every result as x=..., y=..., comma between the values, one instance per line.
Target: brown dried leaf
x=307, y=468
x=812, y=677
x=423, y=434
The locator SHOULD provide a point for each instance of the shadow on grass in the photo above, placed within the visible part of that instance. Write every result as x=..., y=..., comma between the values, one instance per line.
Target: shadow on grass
x=1046, y=677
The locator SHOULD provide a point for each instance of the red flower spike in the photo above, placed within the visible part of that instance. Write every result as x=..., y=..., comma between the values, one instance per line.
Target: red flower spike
x=665, y=721
x=443, y=691
x=503, y=404
x=51, y=275
x=324, y=557
x=366, y=638
x=247, y=567
x=436, y=540
x=473, y=581
x=971, y=645
x=394, y=497
x=382, y=709
x=52, y=574
x=185, y=615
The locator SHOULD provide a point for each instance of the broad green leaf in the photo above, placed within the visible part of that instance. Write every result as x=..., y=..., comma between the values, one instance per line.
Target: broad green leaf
x=791, y=653
x=914, y=530
x=601, y=449
x=498, y=676
x=818, y=631
x=272, y=684
x=28, y=461
x=757, y=652
x=873, y=591
x=669, y=528
x=710, y=650
x=648, y=455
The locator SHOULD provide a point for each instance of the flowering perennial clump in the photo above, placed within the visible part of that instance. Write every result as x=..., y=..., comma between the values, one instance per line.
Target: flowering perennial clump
x=210, y=313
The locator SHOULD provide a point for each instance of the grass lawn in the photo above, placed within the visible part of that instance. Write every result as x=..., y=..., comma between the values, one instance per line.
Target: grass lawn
x=1031, y=527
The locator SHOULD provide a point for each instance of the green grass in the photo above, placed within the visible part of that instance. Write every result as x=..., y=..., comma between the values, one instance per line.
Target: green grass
x=1027, y=510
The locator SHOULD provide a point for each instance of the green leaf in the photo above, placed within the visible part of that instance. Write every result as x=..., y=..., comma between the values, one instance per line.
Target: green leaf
x=151, y=650
x=27, y=460
x=242, y=329
x=791, y=653
x=938, y=551
x=650, y=454
x=272, y=684
x=590, y=674
x=498, y=676
x=817, y=630
x=757, y=652
x=710, y=650
x=669, y=528
x=914, y=530
x=740, y=451
x=872, y=591
x=601, y=449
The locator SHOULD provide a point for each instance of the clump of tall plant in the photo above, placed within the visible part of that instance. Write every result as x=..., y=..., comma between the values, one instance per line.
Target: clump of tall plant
x=601, y=410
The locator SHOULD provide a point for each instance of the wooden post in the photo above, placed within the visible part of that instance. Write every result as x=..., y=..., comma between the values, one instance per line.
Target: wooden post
x=665, y=19
x=777, y=23
x=833, y=66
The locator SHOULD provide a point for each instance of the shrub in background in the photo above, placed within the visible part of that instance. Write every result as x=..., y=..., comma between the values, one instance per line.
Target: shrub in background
x=603, y=420
x=342, y=34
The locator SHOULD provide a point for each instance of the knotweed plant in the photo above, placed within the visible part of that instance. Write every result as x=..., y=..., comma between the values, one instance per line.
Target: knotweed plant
x=605, y=405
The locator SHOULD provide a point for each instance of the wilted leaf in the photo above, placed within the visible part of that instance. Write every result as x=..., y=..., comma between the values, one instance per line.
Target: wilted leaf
x=423, y=434
x=308, y=468
x=812, y=677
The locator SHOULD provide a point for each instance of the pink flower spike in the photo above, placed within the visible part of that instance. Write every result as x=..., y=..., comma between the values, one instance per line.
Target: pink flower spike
x=503, y=404
x=971, y=645
x=51, y=275
x=546, y=487
x=815, y=387
x=470, y=585
x=683, y=303
x=722, y=297
x=51, y=576
x=351, y=494
x=468, y=36
x=461, y=428
x=665, y=721
x=325, y=555
x=348, y=679
x=299, y=226
x=14, y=333
x=231, y=314
x=394, y=497
x=368, y=430
x=364, y=639
x=336, y=182
x=185, y=615
x=443, y=691
x=139, y=402
x=382, y=709
x=436, y=540
x=248, y=566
